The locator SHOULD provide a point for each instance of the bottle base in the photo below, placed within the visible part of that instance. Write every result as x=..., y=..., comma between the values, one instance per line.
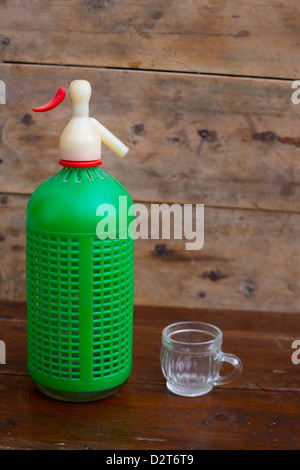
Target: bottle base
x=185, y=391
x=77, y=397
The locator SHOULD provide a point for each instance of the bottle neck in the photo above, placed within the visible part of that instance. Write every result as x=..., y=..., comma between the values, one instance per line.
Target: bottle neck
x=80, y=110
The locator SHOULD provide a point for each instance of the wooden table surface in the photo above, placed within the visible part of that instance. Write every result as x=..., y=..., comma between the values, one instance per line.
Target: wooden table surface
x=260, y=410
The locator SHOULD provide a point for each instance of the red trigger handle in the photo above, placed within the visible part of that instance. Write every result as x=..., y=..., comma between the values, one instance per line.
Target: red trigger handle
x=58, y=98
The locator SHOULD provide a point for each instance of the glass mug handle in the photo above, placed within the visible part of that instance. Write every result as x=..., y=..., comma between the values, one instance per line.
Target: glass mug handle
x=238, y=366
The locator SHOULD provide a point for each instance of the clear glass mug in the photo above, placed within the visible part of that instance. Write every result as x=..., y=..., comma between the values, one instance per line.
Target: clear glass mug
x=192, y=357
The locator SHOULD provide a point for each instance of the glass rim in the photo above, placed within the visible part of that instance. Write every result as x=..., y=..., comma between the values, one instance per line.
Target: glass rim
x=183, y=325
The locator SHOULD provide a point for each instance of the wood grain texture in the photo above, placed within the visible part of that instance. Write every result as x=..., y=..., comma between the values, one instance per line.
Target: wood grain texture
x=147, y=417
x=250, y=261
x=273, y=371
x=223, y=37
x=221, y=141
x=260, y=410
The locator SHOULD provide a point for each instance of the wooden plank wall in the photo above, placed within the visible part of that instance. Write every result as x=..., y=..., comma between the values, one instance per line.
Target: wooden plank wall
x=201, y=93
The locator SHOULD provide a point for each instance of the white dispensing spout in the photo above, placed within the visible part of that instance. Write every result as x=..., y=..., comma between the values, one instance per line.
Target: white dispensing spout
x=110, y=139
x=81, y=139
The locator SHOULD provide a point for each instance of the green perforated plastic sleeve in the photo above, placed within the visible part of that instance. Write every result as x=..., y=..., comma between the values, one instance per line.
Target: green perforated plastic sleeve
x=80, y=311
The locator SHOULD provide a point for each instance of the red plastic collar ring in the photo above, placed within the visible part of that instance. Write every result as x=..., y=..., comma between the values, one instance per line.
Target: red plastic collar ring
x=80, y=164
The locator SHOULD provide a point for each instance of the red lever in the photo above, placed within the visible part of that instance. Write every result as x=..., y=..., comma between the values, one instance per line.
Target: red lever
x=58, y=98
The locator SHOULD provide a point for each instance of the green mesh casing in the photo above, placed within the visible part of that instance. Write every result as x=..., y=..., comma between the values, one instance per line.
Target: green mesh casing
x=79, y=287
